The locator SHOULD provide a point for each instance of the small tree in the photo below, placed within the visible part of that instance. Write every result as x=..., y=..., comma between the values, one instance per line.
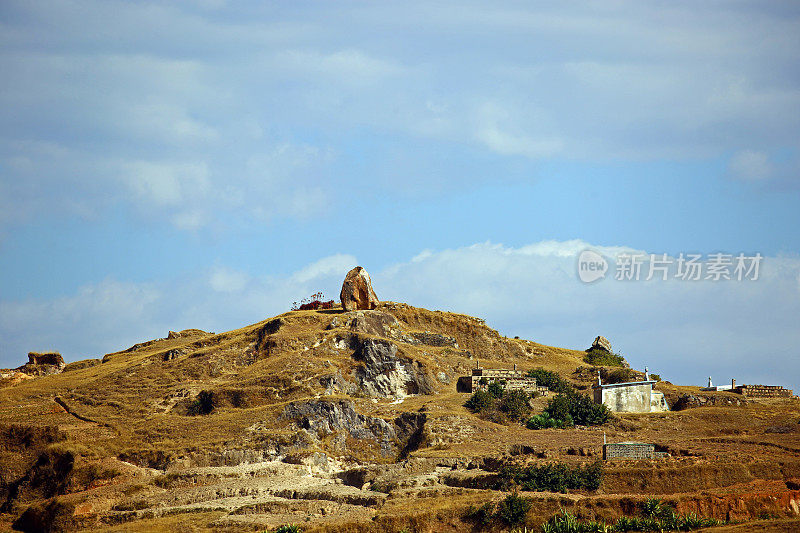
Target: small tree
x=515, y=404
x=578, y=409
x=551, y=380
x=480, y=401
x=513, y=509
x=603, y=358
x=495, y=389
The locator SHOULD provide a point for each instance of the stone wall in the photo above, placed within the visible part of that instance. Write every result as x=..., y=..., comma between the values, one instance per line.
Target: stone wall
x=763, y=391
x=629, y=450
x=511, y=380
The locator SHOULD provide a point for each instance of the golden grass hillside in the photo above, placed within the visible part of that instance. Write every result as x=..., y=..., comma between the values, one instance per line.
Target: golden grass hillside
x=350, y=421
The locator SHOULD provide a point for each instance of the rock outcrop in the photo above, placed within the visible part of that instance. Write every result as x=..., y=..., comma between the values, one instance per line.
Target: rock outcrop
x=368, y=322
x=42, y=364
x=48, y=358
x=688, y=401
x=340, y=418
x=357, y=292
x=385, y=374
x=601, y=343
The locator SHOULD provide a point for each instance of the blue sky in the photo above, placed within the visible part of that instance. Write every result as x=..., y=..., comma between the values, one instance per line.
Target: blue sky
x=204, y=164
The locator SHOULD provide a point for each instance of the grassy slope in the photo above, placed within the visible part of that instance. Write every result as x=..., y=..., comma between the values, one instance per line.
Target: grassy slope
x=135, y=402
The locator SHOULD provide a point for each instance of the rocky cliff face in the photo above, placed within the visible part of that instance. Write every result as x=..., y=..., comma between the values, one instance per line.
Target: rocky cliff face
x=341, y=420
x=384, y=373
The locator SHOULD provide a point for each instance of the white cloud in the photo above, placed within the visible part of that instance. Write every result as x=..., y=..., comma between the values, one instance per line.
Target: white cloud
x=228, y=280
x=683, y=330
x=750, y=165
x=94, y=320
x=167, y=184
x=114, y=81
x=350, y=66
x=189, y=220
x=333, y=265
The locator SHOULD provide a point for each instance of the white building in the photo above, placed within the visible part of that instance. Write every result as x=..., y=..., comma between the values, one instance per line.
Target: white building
x=630, y=397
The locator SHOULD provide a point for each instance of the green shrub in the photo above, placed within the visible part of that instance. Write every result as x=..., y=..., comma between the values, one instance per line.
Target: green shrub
x=620, y=375
x=496, y=389
x=578, y=408
x=551, y=380
x=543, y=421
x=554, y=477
x=513, y=509
x=657, y=517
x=483, y=515
x=515, y=404
x=480, y=401
x=603, y=358
x=566, y=522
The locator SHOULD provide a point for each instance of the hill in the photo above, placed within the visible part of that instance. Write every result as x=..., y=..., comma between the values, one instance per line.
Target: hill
x=352, y=421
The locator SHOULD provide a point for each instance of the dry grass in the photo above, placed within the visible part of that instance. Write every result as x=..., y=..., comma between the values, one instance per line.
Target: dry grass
x=134, y=405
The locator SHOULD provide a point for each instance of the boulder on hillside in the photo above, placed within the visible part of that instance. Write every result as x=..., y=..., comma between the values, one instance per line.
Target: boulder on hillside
x=48, y=358
x=42, y=364
x=601, y=343
x=357, y=292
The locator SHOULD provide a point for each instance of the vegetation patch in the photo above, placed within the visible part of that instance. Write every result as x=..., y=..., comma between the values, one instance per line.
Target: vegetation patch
x=313, y=302
x=553, y=477
x=288, y=528
x=604, y=358
x=569, y=409
x=551, y=380
x=511, y=511
x=543, y=421
x=654, y=516
x=500, y=405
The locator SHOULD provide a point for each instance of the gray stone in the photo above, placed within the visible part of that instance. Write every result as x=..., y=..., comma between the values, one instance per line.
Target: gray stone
x=601, y=343
x=386, y=374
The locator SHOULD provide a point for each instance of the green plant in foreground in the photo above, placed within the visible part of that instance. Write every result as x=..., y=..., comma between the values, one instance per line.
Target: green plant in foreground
x=288, y=528
x=658, y=517
x=555, y=477
x=513, y=509
x=566, y=522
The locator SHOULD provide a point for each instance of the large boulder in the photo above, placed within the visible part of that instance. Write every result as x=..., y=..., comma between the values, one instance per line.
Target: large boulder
x=357, y=293
x=42, y=364
x=601, y=343
x=48, y=358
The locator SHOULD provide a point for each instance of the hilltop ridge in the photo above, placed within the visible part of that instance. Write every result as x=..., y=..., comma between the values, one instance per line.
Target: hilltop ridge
x=340, y=417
